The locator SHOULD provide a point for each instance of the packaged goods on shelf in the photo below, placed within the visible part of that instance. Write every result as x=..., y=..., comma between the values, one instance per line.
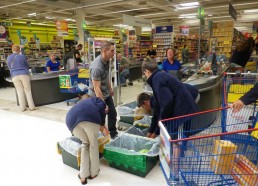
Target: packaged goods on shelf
x=224, y=156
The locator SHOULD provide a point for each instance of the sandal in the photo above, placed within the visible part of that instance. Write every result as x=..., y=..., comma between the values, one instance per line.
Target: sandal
x=83, y=182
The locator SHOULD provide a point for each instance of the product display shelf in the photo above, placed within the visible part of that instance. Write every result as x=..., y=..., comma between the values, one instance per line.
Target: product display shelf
x=119, y=42
x=69, y=46
x=144, y=47
x=162, y=41
x=224, y=34
x=5, y=51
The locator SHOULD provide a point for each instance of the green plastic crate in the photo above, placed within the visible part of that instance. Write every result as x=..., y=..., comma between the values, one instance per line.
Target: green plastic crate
x=139, y=165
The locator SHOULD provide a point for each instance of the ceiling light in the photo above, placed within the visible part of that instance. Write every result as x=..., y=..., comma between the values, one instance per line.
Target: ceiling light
x=32, y=14
x=188, y=16
x=184, y=6
x=48, y=17
x=189, y=4
x=251, y=11
x=120, y=25
x=17, y=4
x=210, y=15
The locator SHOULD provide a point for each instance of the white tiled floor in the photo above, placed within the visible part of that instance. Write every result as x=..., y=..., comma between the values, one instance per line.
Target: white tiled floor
x=28, y=148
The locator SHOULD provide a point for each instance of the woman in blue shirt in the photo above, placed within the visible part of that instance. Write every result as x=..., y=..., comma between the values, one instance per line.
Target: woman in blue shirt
x=170, y=63
x=53, y=64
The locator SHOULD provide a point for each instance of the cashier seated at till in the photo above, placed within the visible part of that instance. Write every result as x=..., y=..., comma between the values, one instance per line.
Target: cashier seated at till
x=170, y=63
x=52, y=64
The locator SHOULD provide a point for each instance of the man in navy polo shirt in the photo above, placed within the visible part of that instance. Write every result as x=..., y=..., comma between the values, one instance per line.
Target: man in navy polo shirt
x=170, y=63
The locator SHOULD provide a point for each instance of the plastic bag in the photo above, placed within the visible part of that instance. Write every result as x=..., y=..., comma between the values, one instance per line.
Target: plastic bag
x=145, y=121
x=134, y=145
x=124, y=111
x=72, y=144
x=136, y=131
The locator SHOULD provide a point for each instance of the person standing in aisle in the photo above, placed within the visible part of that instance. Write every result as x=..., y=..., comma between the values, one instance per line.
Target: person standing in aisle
x=243, y=52
x=173, y=99
x=151, y=53
x=99, y=84
x=85, y=120
x=170, y=63
x=124, y=64
x=185, y=54
x=53, y=64
x=250, y=97
x=19, y=70
x=77, y=54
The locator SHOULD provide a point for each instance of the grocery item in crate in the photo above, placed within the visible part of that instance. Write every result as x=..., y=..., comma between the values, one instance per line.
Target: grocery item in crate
x=223, y=157
x=245, y=172
x=143, y=123
x=140, y=113
x=70, y=149
x=133, y=154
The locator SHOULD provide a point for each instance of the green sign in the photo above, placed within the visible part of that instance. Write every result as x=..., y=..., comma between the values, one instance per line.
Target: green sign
x=84, y=25
x=200, y=13
x=19, y=33
x=6, y=24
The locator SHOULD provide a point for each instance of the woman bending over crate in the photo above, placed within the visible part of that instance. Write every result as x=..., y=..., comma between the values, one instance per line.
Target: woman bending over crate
x=85, y=120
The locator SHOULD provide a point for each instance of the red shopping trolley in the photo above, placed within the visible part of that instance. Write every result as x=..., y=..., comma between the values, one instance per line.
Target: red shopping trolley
x=195, y=155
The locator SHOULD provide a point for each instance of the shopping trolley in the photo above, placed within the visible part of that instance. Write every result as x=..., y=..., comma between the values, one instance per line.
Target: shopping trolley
x=192, y=155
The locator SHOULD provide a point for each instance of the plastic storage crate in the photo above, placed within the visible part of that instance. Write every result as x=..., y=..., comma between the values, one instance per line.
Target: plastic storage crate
x=120, y=155
x=73, y=159
x=127, y=117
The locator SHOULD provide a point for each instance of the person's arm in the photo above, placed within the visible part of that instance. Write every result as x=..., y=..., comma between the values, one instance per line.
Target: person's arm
x=97, y=89
x=165, y=98
x=153, y=125
x=48, y=69
x=26, y=62
x=250, y=97
x=48, y=66
x=110, y=89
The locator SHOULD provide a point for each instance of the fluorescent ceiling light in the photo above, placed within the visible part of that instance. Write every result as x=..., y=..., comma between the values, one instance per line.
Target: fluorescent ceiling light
x=48, y=17
x=251, y=11
x=146, y=29
x=120, y=25
x=189, y=4
x=184, y=6
x=73, y=20
x=32, y=14
x=188, y=16
x=17, y=4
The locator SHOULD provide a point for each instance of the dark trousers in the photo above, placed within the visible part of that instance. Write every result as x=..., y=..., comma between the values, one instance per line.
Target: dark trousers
x=111, y=116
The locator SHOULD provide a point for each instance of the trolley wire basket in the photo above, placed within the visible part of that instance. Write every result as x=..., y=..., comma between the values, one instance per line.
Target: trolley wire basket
x=193, y=155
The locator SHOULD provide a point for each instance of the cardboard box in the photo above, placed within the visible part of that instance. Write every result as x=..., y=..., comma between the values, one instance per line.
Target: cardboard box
x=224, y=156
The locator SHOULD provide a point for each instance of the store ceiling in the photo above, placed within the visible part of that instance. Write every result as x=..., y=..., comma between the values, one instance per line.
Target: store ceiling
x=109, y=12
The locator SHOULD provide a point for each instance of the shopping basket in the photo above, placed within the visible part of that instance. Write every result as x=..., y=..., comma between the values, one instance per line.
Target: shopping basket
x=207, y=156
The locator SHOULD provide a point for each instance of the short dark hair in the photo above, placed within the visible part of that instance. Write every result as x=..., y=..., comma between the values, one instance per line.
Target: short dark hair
x=106, y=45
x=170, y=49
x=142, y=97
x=149, y=64
x=80, y=45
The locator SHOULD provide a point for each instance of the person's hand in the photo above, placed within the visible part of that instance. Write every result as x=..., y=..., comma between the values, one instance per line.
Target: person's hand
x=106, y=109
x=111, y=92
x=153, y=135
x=104, y=130
x=237, y=106
x=148, y=135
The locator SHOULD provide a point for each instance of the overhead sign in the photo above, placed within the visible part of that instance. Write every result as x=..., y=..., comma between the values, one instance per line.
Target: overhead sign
x=184, y=30
x=164, y=29
x=136, y=21
x=62, y=28
x=232, y=11
x=2, y=32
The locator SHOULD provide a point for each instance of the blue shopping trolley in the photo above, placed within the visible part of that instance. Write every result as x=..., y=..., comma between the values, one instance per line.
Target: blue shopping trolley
x=208, y=156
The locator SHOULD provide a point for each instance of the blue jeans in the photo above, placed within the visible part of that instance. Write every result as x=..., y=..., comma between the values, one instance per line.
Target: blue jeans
x=123, y=76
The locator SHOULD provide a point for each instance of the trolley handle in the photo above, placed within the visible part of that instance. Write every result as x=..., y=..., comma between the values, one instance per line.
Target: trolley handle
x=213, y=135
x=194, y=114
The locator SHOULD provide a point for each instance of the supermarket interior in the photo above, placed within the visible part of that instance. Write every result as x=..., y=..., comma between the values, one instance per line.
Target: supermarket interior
x=171, y=83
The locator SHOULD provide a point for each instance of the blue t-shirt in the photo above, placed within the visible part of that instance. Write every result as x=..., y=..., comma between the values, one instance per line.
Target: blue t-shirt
x=166, y=66
x=53, y=66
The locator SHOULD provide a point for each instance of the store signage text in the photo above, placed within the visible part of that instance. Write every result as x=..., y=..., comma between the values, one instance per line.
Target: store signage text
x=184, y=30
x=62, y=28
x=133, y=21
x=164, y=29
